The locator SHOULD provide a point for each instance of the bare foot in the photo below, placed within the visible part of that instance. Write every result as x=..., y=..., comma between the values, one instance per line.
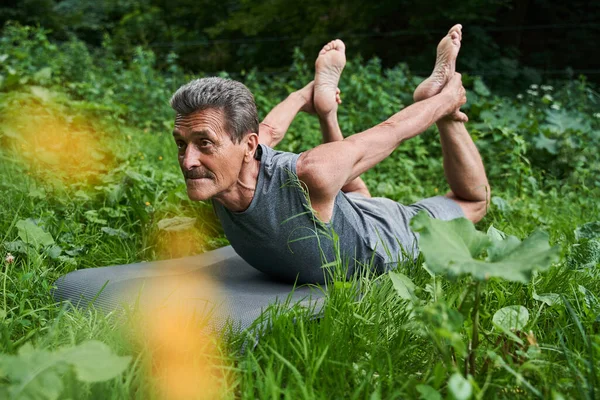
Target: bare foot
x=328, y=69
x=445, y=65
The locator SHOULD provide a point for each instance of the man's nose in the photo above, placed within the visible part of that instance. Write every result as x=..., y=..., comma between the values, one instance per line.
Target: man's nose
x=191, y=158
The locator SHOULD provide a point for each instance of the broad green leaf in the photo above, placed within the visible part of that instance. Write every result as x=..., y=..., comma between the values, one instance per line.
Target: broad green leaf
x=53, y=251
x=18, y=246
x=41, y=93
x=428, y=393
x=43, y=74
x=93, y=217
x=456, y=237
x=37, y=192
x=502, y=248
x=34, y=374
x=459, y=387
x=511, y=318
x=591, y=230
x=94, y=361
x=543, y=143
x=176, y=224
x=450, y=248
x=403, y=285
x=32, y=234
x=585, y=254
x=549, y=298
x=501, y=204
x=563, y=120
x=495, y=234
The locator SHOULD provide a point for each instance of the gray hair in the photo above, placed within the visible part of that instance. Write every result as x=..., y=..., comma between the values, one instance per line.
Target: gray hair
x=232, y=97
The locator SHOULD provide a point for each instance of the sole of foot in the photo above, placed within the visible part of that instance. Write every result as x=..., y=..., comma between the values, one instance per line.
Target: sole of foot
x=445, y=65
x=328, y=69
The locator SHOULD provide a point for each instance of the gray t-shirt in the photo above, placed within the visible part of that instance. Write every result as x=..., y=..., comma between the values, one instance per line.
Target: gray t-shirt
x=278, y=234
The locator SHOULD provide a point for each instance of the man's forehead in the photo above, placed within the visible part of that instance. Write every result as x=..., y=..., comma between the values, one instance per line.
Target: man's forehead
x=208, y=119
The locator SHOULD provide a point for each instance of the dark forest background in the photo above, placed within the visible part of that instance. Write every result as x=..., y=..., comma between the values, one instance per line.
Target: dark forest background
x=505, y=41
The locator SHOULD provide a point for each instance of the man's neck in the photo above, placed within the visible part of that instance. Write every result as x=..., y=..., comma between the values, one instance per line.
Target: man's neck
x=239, y=196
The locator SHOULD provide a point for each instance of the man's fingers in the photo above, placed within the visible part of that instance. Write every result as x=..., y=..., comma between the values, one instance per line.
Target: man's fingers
x=460, y=116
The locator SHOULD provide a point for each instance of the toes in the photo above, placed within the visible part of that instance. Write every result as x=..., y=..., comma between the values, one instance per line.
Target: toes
x=456, y=29
x=455, y=38
x=339, y=45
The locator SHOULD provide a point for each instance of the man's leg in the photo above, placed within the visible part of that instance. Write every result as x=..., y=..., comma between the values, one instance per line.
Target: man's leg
x=328, y=69
x=462, y=163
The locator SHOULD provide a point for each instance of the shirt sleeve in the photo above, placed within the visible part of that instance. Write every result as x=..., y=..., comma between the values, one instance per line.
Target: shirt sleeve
x=439, y=207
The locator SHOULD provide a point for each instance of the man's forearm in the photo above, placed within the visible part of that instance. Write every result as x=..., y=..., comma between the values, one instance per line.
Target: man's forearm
x=277, y=122
x=462, y=163
x=337, y=163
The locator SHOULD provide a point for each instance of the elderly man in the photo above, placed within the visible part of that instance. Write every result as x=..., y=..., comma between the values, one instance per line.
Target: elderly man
x=289, y=215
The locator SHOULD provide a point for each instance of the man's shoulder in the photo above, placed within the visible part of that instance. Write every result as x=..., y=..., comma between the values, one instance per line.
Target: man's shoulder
x=277, y=159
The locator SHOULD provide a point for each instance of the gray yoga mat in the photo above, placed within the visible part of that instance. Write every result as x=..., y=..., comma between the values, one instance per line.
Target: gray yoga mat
x=217, y=283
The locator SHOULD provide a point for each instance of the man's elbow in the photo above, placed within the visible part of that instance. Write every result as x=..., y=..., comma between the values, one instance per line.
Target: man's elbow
x=267, y=131
x=478, y=211
x=476, y=207
x=482, y=206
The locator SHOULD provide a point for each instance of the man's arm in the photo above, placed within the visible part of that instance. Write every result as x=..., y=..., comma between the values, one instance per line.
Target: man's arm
x=328, y=167
x=464, y=169
x=273, y=128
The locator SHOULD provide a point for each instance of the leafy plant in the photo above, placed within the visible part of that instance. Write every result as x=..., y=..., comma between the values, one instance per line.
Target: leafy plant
x=37, y=373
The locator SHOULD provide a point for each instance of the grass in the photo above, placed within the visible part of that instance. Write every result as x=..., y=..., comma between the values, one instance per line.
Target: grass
x=102, y=198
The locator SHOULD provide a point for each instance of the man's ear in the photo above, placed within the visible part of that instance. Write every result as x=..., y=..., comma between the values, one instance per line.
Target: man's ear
x=251, y=146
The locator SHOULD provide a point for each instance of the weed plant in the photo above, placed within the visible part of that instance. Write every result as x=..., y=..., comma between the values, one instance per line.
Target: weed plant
x=89, y=177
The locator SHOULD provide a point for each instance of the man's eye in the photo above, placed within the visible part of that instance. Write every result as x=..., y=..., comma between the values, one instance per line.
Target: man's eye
x=205, y=143
x=180, y=145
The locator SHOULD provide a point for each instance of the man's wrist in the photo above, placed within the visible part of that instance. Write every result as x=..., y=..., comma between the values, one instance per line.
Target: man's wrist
x=298, y=100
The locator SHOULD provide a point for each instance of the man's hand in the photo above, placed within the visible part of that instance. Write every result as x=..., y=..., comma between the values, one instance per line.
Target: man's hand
x=457, y=96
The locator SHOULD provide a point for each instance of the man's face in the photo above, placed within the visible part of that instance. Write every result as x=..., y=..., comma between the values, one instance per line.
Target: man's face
x=208, y=158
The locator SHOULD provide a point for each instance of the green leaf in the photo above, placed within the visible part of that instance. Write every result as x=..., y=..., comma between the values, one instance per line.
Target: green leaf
x=114, y=232
x=459, y=387
x=480, y=88
x=591, y=230
x=404, y=286
x=32, y=234
x=37, y=193
x=543, y=143
x=501, y=204
x=458, y=236
x=549, y=298
x=176, y=224
x=563, y=120
x=585, y=254
x=18, y=246
x=41, y=93
x=450, y=248
x=495, y=234
x=511, y=318
x=53, y=251
x=428, y=393
x=93, y=217
x=94, y=361
x=35, y=374
x=43, y=74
